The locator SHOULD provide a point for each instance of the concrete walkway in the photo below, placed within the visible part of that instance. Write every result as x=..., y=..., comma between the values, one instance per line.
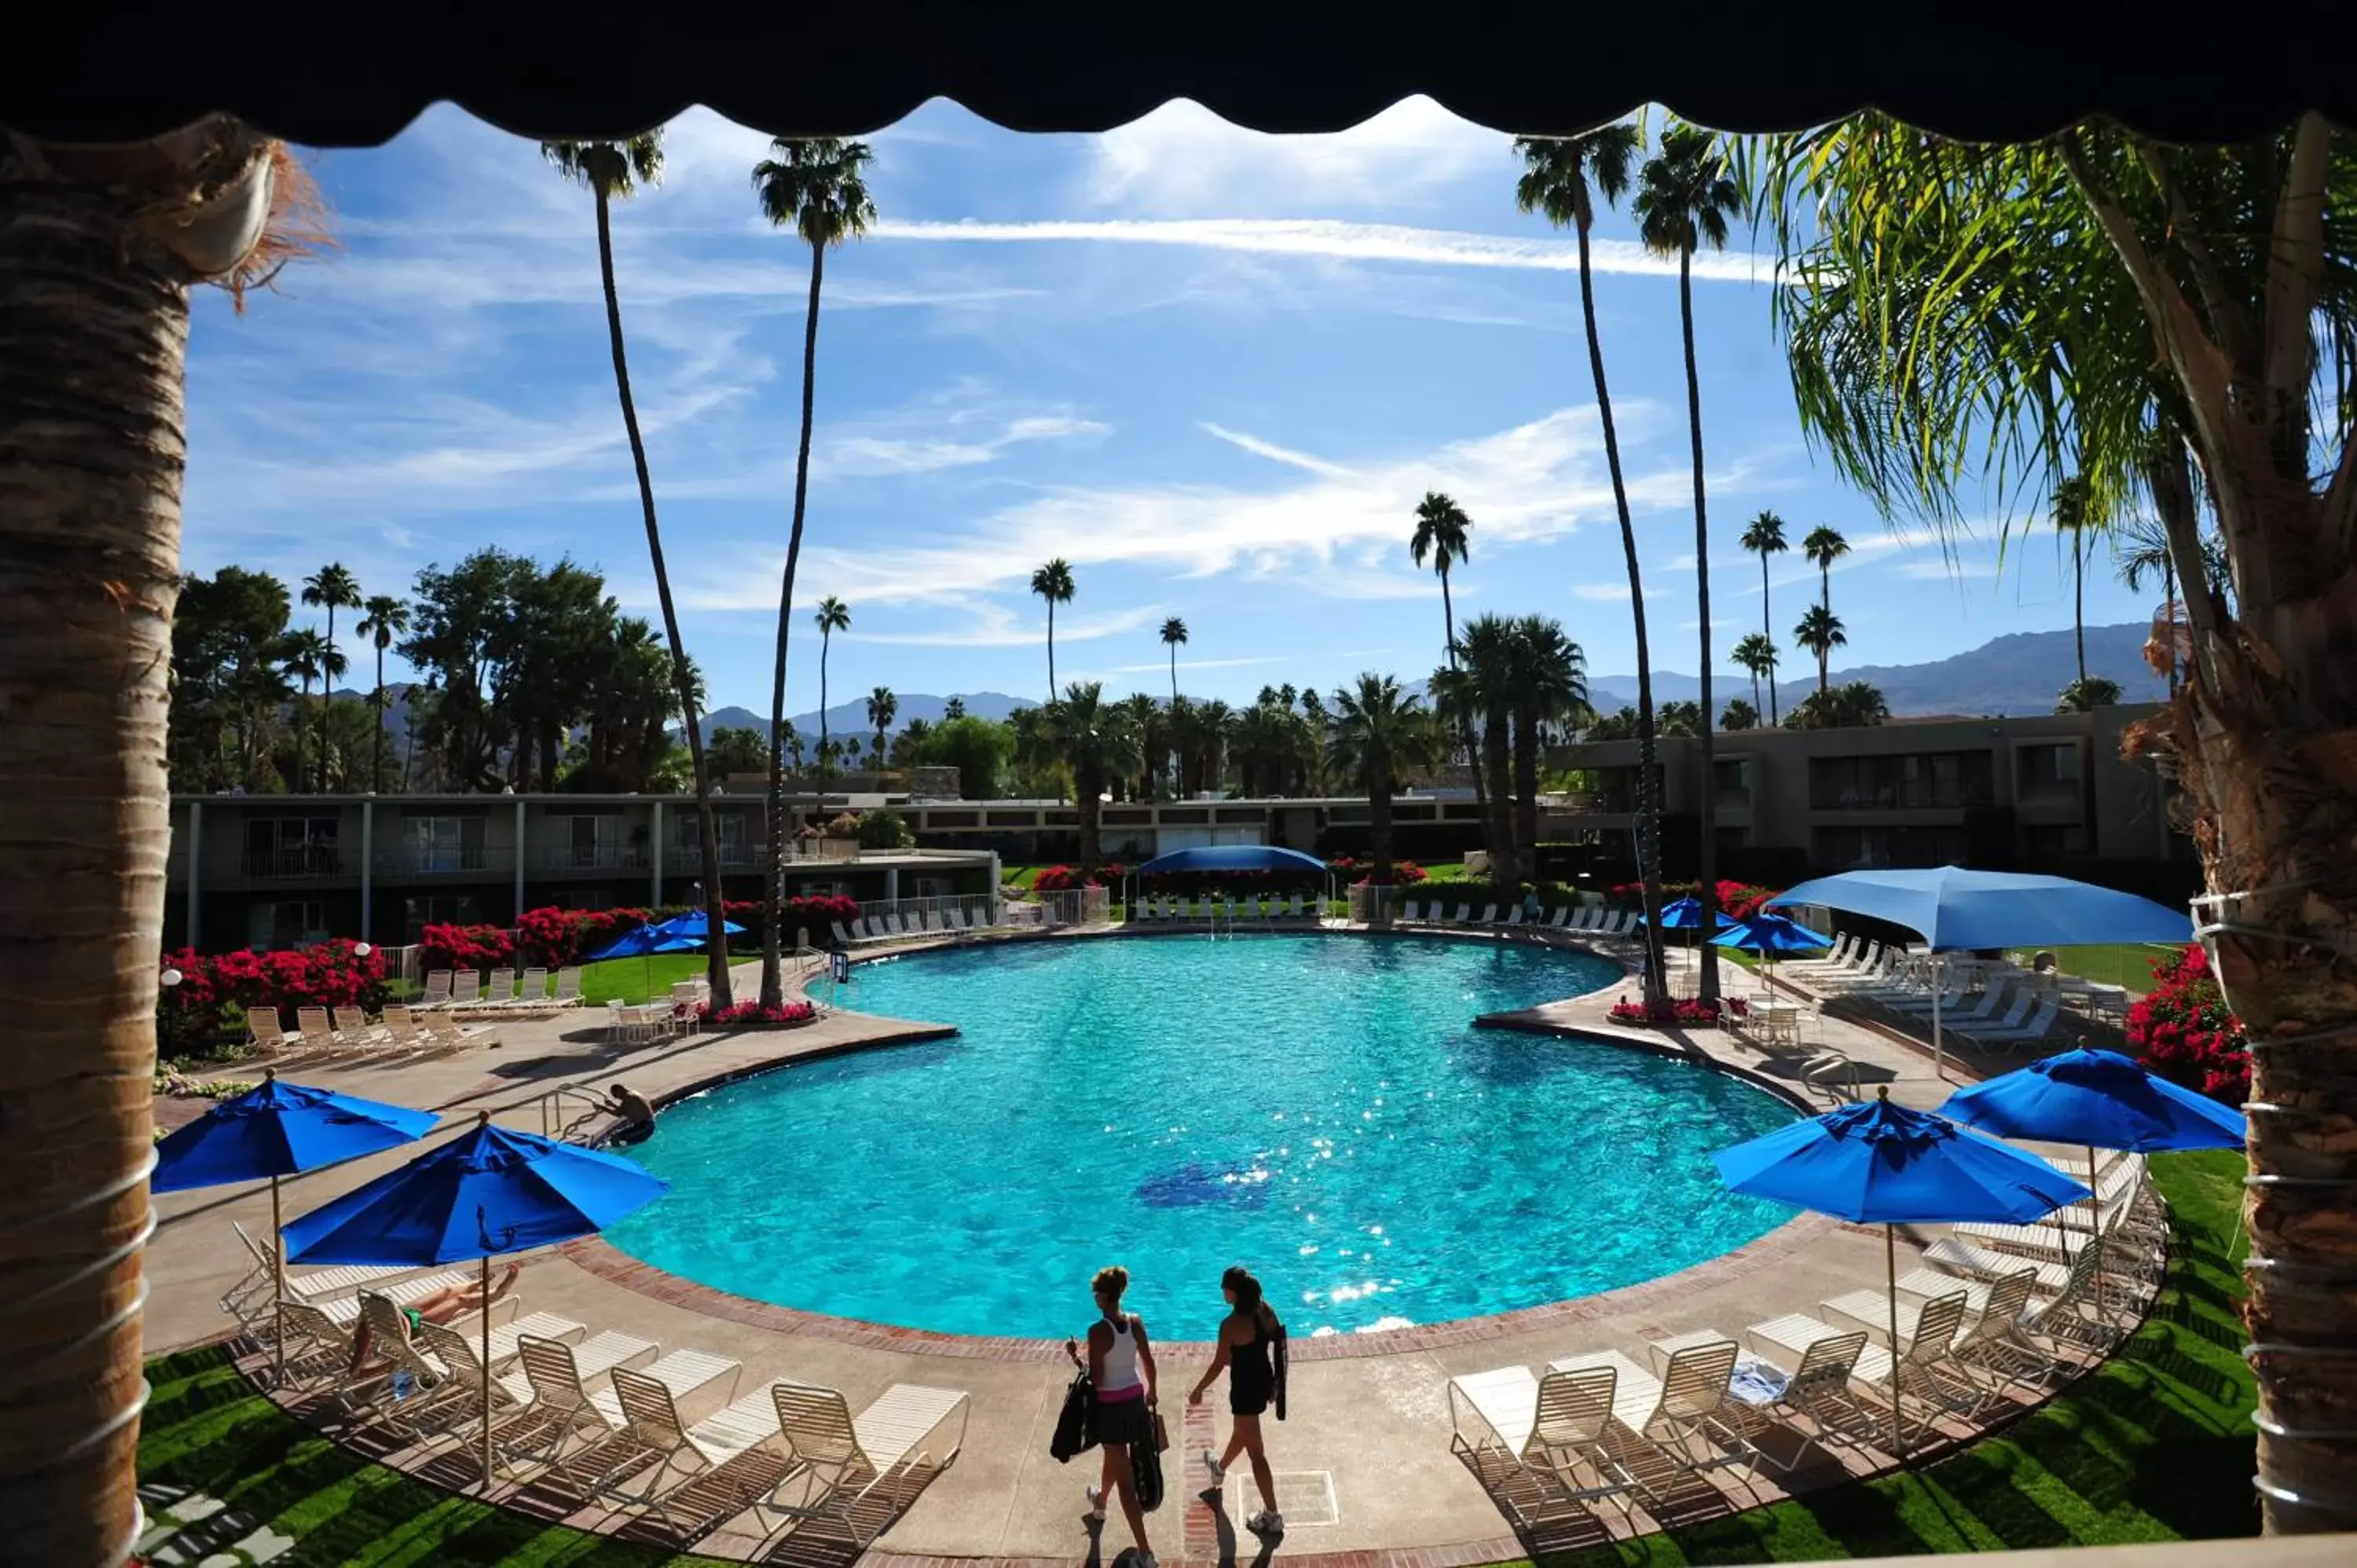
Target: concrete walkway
x=1364, y=1465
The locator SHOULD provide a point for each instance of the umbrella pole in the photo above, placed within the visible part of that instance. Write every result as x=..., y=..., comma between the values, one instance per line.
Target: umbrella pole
x=1890, y=1300
x=1939, y=1045
x=486, y=1288
x=277, y=1282
x=2095, y=1225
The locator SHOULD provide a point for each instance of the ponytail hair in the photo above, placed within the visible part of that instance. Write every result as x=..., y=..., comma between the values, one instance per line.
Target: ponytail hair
x=1249, y=1299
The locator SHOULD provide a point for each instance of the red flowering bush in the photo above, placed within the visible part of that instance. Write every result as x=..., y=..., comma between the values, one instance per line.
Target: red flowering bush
x=1064, y=879
x=2184, y=1032
x=1741, y=899
x=753, y=1016
x=465, y=947
x=1358, y=873
x=1685, y=1011
x=554, y=936
x=193, y=1014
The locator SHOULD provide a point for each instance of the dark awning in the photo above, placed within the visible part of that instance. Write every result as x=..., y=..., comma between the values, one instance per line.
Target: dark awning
x=355, y=74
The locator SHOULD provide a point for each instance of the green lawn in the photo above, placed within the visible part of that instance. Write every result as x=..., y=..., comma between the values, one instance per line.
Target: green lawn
x=2155, y=1446
x=638, y=979
x=2113, y=963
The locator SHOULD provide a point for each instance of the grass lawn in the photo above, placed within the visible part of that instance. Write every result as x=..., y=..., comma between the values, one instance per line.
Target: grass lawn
x=2155, y=1446
x=638, y=979
x=2113, y=963
x=206, y=1431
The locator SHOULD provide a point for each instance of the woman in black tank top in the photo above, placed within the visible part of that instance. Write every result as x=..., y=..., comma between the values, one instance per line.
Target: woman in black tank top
x=1252, y=1351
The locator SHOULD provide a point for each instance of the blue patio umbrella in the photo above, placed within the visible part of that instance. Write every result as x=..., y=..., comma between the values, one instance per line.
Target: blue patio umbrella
x=486, y=1192
x=694, y=927
x=276, y=1130
x=637, y=942
x=1881, y=1163
x=1769, y=935
x=1954, y=907
x=1686, y=914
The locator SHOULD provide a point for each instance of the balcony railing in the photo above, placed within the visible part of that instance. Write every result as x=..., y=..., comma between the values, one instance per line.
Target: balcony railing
x=733, y=858
x=1905, y=795
x=457, y=860
x=294, y=863
x=596, y=857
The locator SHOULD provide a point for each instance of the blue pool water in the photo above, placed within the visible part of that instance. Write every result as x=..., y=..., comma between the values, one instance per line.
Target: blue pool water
x=1317, y=1108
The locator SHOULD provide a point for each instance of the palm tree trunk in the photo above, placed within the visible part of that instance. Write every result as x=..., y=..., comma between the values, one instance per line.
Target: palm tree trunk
x=1051, y=649
x=826, y=646
x=95, y=315
x=1527, y=794
x=1465, y=722
x=773, y=988
x=1174, y=675
x=326, y=695
x=1379, y=839
x=1707, y=851
x=2079, y=602
x=1503, y=871
x=376, y=741
x=1767, y=629
x=2169, y=586
x=1087, y=787
x=708, y=832
x=1648, y=835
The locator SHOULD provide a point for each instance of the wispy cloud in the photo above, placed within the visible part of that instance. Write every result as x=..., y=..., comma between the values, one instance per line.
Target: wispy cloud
x=1272, y=452
x=993, y=625
x=1336, y=240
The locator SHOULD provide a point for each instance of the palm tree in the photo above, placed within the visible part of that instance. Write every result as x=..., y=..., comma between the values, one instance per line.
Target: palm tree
x=1146, y=719
x=1053, y=583
x=1765, y=537
x=1739, y=715
x=2073, y=521
x=1820, y=632
x=1686, y=200
x=815, y=186
x=831, y=617
x=332, y=587
x=1377, y=739
x=1095, y=739
x=98, y=256
x=1558, y=172
x=1174, y=638
x=883, y=707
x=388, y=618
x=954, y=709
x=1481, y=686
x=1756, y=654
x=1549, y=676
x=613, y=171
x=1441, y=530
x=1824, y=546
x=308, y=655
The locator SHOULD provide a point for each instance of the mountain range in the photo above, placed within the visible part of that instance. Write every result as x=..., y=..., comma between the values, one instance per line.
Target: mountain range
x=851, y=718
x=2021, y=672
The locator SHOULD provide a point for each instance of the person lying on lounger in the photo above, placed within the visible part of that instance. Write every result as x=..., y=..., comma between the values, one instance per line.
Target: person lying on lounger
x=445, y=1305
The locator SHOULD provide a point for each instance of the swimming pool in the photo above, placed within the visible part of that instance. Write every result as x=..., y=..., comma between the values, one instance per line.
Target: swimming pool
x=1318, y=1107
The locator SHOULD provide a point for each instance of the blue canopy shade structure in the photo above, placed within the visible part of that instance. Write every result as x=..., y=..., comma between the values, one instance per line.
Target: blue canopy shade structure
x=276, y=1130
x=486, y=1192
x=1232, y=857
x=1883, y=1164
x=2100, y=1099
x=692, y=928
x=1954, y=907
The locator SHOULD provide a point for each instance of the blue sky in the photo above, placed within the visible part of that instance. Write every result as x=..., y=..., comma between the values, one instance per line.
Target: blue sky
x=1214, y=369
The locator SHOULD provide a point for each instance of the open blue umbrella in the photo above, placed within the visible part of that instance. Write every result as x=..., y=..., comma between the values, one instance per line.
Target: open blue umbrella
x=637, y=942
x=1686, y=914
x=1881, y=1163
x=488, y=1192
x=1769, y=935
x=276, y=1130
x=695, y=926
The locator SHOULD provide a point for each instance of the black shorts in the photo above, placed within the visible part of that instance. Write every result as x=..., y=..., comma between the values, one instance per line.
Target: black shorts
x=630, y=1132
x=1247, y=1399
x=1119, y=1422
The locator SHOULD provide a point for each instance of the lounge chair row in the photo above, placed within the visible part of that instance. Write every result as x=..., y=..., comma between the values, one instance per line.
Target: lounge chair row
x=1590, y=922
x=343, y=1035
x=1166, y=909
x=869, y=930
x=597, y=1420
x=506, y=989
x=1890, y=976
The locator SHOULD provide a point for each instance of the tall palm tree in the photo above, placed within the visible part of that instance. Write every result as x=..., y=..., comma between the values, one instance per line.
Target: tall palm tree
x=1820, y=632
x=1377, y=739
x=1686, y=200
x=831, y=617
x=1764, y=537
x=332, y=587
x=1755, y=653
x=883, y=707
x=387, y=619
x=1549, y=685
x=1053, y=583
x=818, y=187
x=1174, y=638
x=1481, y=687
x=1441, y=534
x=613, y=171
x=1095, y=740
x=308, y=655
x=1561, y=177
x=2073, y=521
x=97, y=256
x=1824, y=546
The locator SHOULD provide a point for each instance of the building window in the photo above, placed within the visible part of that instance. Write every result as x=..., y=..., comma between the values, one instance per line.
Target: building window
x=1925, y=780
x=292, y=846
x=292, y=923
x=583, y=898
x=440, y=909
x=444, y=843
x=1864, y=848
x=2046, y=841
x=2048, y=772
x=1733, y=777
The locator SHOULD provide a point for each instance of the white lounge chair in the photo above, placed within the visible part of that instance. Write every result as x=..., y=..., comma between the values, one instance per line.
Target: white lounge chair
x=549, y=1399
x=466, y=988
x=437, y=990
x=1676, y=1416
x=2032, y=1031
x=686, y=1478
x=531, y=990
x=1551, y=1432
x=1464, y=914
x=1818, y=1391
x=843, y=1459
x=1410, y=915
x=450, y=1036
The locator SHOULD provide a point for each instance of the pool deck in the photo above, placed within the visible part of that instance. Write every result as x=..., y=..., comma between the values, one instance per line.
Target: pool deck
x=1365, y=1472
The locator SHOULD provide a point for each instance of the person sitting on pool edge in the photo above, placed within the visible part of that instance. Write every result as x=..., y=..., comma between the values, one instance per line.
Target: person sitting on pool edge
x=636, y=1111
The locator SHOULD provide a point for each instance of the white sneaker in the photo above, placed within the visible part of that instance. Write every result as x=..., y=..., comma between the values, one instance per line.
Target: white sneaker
x=1096, y=1514
x=1211, y=1462
x=1147, y=1559
x=1268, y=1521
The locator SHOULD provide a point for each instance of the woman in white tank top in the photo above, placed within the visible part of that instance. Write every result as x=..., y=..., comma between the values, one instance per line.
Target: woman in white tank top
x=1121, y=1372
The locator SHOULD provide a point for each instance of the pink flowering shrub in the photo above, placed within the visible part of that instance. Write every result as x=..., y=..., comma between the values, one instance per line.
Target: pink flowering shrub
x=2184, y=1031
x=1064, y=878
x=1739, y=900
x=217, y=990
x=1684, y=1012
x=753, y=1016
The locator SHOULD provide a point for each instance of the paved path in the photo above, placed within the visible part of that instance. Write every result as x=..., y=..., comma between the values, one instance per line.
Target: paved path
x=1364, y=1464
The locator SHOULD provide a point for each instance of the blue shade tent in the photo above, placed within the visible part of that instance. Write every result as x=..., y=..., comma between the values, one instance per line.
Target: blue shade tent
x=1768, y=936
x=485, y=1193
x=1883, y=1164
x=1953, y=907
x=276, y=1130
x=1232, y=857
